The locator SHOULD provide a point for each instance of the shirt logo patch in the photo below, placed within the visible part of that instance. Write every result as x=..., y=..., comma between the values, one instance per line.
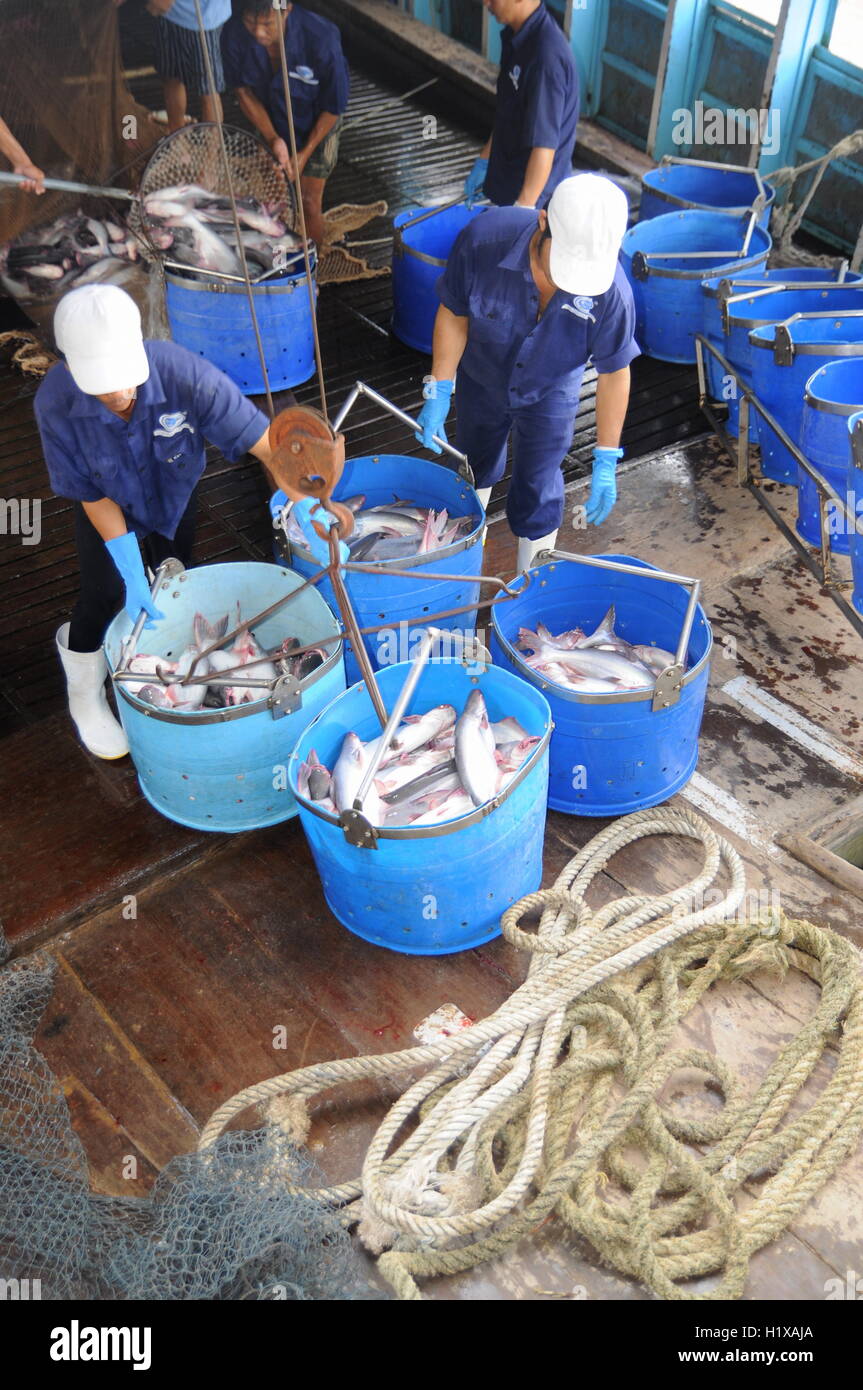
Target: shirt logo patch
x=514, y=75
x=304, y=74
x=581, y=307
x=173, y=424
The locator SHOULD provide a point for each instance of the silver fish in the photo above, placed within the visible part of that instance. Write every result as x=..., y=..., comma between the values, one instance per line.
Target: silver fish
x=475, y=761
x=416, y=731
x=348, y=773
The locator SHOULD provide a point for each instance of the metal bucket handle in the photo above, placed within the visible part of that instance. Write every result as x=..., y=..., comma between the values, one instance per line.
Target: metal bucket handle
x=399, y=248
x=714, y=164
x=360, y=389
x=784, y=347
x=641, y=269
x=358, y=830
x=666, y=691
x=726, y=298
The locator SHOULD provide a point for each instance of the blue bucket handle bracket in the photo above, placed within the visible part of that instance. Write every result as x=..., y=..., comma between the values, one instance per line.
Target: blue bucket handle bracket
x=666, y=690
x=169, y=569
x=361, y=389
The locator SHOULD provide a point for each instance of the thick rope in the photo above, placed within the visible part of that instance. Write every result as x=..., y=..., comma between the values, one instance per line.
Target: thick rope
x=786, y=220
x=552, y=1104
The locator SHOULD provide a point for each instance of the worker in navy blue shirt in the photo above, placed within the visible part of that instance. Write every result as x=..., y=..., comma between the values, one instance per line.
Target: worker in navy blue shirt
x=530, y=148
x=527, y=300
x=123, y=425
x=319, y=86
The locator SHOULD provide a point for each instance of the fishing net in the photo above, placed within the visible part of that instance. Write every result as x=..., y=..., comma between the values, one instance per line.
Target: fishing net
x=225, y=1225
x=337, y=263
x=66, y=101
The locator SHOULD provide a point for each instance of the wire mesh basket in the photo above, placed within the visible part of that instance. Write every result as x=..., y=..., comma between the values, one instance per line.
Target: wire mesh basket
x=193, y=155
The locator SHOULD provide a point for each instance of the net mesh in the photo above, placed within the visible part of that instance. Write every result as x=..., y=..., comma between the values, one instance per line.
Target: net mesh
x=223, y=1225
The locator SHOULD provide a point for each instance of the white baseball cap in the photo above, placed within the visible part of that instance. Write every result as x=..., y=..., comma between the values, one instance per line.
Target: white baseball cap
x=587, y=216
x=98, y=330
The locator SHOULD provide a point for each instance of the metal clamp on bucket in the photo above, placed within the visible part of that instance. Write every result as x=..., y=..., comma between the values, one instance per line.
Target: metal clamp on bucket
x=666, y=691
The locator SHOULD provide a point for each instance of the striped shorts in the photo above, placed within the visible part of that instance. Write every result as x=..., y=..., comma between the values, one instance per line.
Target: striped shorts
x=178, y=54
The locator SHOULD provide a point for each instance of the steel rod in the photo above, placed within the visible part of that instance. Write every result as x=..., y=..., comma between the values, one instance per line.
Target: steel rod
x=352, y=630
x=361, y=389
x=226, y=163
x=401, y=704
x=66, y=186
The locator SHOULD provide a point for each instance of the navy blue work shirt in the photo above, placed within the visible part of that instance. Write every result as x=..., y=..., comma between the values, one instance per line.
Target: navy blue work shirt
x=148, y=465
x=317, y=71
x=488, y=280
x=537, y=105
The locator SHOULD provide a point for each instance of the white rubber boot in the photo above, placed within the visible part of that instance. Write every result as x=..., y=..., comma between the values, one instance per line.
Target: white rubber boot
x=527, y=549
x=85, y=672
x=484, y=494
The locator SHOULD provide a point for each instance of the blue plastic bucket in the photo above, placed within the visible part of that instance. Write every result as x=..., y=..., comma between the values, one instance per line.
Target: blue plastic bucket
x=420, y=251
x=224, y=769
x=405, y=605
x=693, y=185
x=610, y=753
x=712, y=325
x=833, y=394
x=212, y=318
x=753, y=309
x=444, y=888
x=855, y=488
x=784, y=356
x=667, y=290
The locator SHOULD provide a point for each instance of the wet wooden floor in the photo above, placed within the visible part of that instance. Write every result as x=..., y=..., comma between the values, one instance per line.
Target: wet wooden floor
x=160, y=1016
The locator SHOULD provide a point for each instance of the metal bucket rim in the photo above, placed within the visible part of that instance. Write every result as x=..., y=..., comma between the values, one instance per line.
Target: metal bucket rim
x=226, y=716
x=687, y=204
x=401, y=248
x=429, y=832
x=288, y=285
x=695, y=275
x=739, y=321
x=605, y=697
x=829, y=407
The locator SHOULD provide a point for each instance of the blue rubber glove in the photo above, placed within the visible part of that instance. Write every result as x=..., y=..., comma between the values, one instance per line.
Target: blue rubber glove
x=433, y=414
x=603, y=484
x=126, y=554
x=475, y=180
x=302, y=512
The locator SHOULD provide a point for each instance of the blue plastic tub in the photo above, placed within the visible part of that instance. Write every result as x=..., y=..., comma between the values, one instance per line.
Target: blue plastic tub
x=833, y=394
x=406, y=605
x=855, y=487
x=212, y=318
x=676, y=186
x=753, y=309
x=611, y=754
x=667, y=291
x=224, y=769
x=420, y=251
x=432, y=891
x=712, y=326
x=784, y=356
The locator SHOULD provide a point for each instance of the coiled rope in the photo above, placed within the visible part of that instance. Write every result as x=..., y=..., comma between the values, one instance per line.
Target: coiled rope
x=552, y=1104
x=786, y=220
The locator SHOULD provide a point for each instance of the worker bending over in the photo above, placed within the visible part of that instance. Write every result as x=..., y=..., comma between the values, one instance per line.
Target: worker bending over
x=318, y=82
x=530, y=148
x=123, y=425
x=527, y=300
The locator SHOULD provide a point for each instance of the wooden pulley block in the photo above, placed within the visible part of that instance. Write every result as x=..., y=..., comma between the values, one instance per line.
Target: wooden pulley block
x=307, y=461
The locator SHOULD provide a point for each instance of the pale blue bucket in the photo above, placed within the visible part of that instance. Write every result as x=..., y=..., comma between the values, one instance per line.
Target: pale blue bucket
x=224, y=769
x=443, y=888
x=700, y=186
x=833, y=394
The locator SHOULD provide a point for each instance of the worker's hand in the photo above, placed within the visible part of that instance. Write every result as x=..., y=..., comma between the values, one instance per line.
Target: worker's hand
x=159, y=7
x=302, y=161
x=281, y=153
x=603, y=484
x=475, y=180
x=433, y=414
x=126, y=554
x=33, y=175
